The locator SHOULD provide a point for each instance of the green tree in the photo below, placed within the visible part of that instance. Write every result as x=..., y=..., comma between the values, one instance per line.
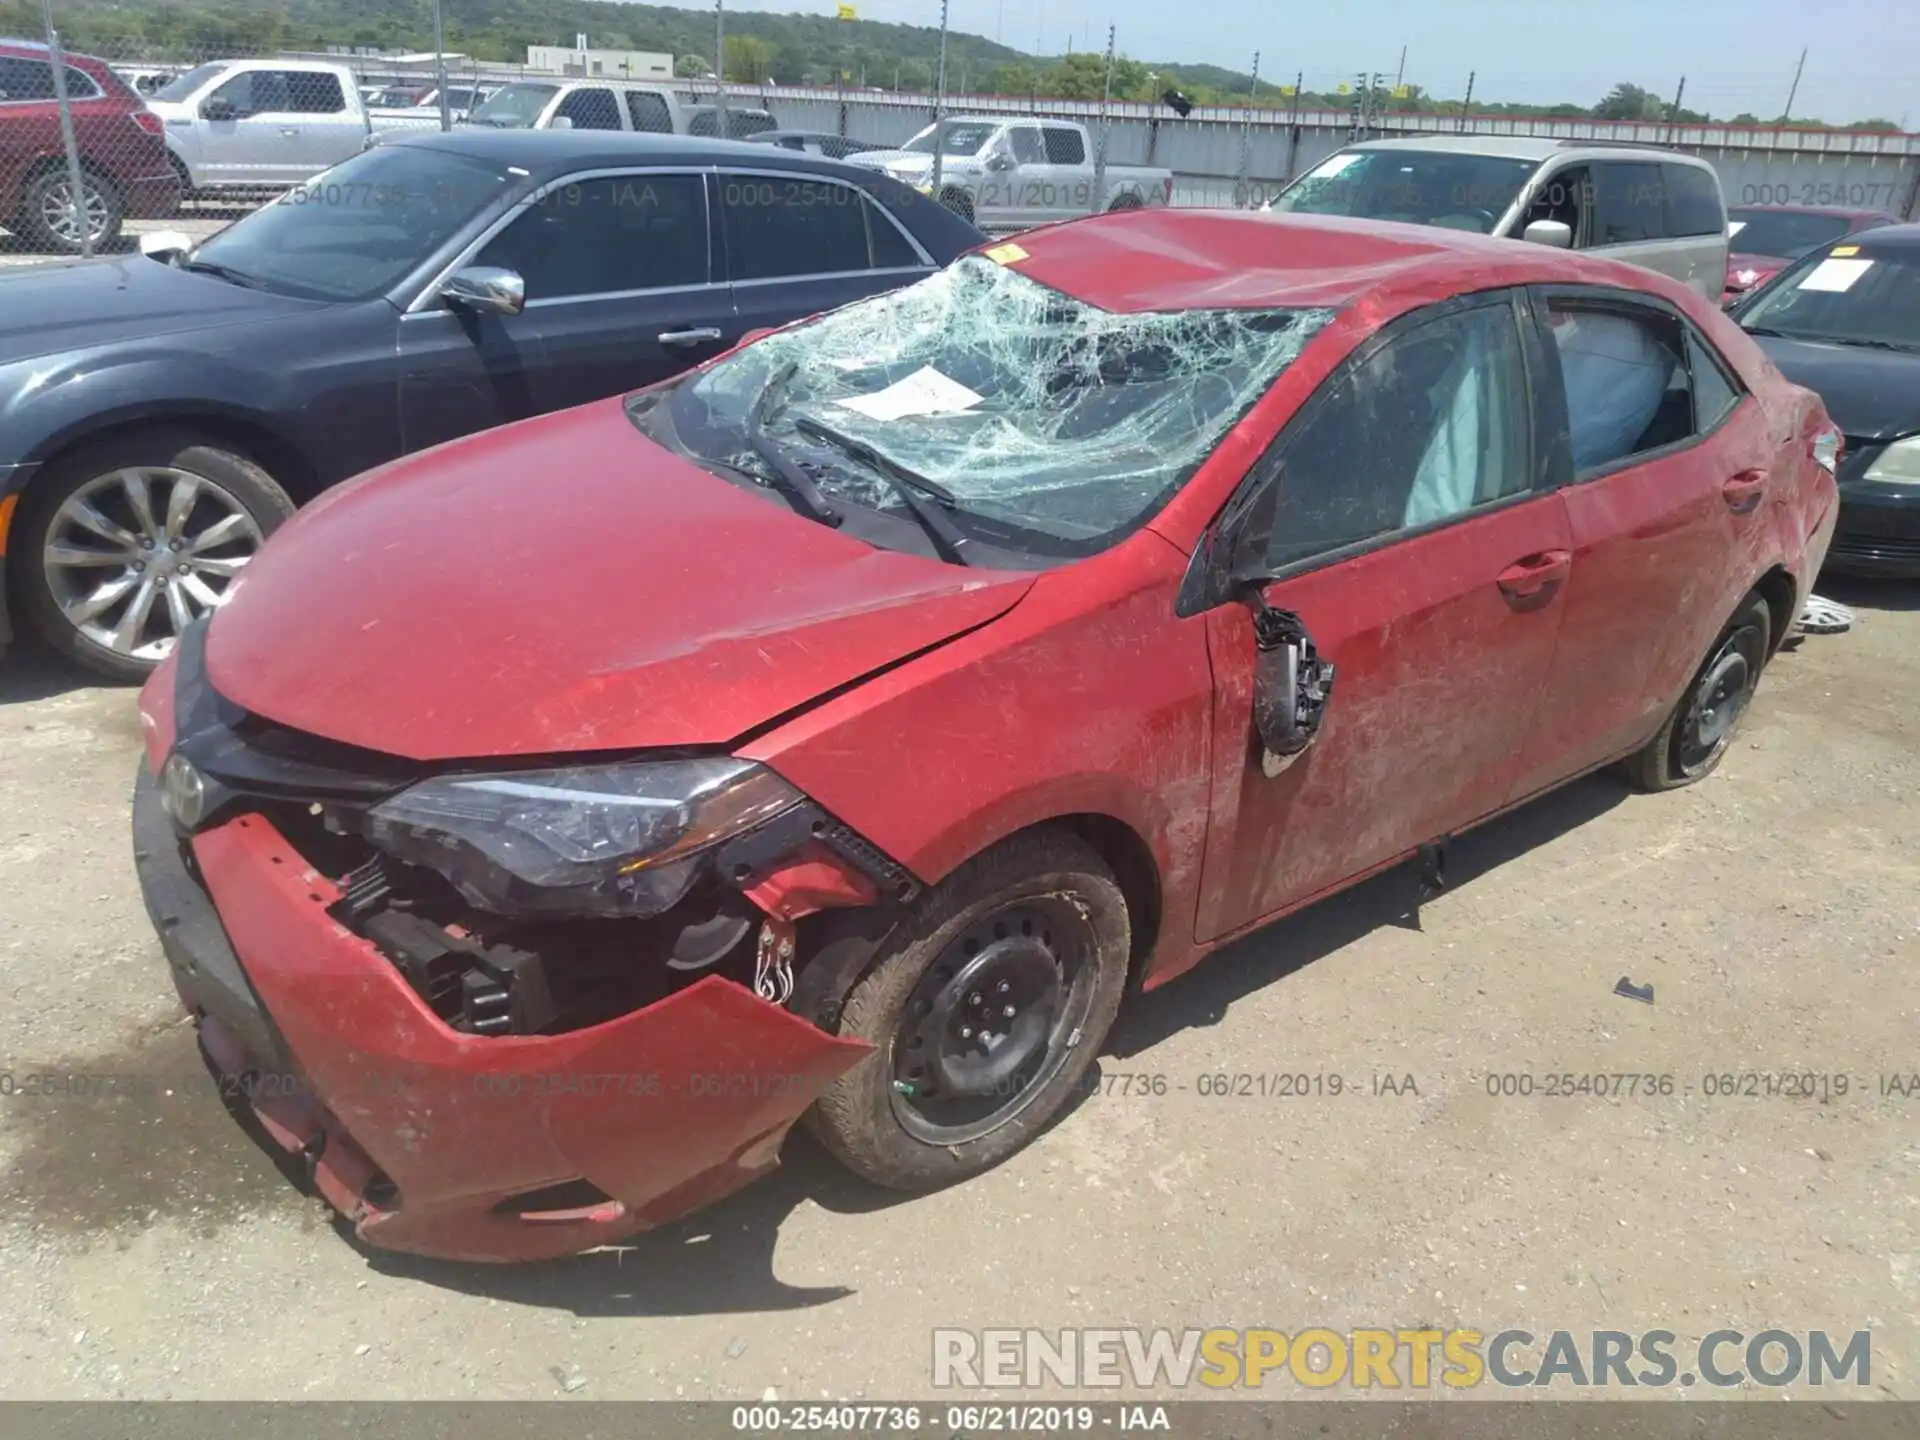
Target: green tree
x=749, y=59
x=692, y=67
x=790, y=64
x=1630, y=102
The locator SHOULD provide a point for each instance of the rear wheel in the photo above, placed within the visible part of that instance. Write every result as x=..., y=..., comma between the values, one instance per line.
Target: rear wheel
x=50, y=219
x=124, y=544
x=1696, y=736
x=985, y=1013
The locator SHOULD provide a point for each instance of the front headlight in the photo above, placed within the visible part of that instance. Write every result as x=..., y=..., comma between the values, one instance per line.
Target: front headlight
x=1898, y=464
x=588, y=840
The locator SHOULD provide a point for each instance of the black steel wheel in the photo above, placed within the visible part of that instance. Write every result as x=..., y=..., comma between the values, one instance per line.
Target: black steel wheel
x=1696, y=736
x=985, y=1009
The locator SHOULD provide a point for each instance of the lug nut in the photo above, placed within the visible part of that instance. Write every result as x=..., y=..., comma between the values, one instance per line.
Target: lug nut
x=966, y=1032
x=138, y=566
x=1007, y=1011
x=976, y=998
x=1004, y=987
x=179, y=545
x=146, y=542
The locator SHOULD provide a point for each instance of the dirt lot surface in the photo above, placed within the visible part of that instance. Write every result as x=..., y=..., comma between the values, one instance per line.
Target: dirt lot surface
x=149, y=1249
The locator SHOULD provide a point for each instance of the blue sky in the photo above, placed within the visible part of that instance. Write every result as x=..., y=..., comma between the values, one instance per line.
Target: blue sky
x=1863, y=60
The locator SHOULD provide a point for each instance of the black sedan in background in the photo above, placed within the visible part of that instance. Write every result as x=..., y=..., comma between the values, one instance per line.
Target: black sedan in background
x=159, y=416
x=1844, y=321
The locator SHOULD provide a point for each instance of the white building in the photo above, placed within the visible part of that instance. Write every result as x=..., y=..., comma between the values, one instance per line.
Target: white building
x=609, y=64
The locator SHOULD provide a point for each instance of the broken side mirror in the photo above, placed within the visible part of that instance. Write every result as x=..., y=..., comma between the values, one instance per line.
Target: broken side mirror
x=1291, y=686
x=166, y=246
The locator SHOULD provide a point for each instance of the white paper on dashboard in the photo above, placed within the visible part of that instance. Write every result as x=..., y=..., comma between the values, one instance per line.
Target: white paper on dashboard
x=1835, y=274
x=925, y=392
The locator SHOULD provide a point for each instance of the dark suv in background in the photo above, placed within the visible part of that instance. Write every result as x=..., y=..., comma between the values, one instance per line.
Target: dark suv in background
x=125, y=172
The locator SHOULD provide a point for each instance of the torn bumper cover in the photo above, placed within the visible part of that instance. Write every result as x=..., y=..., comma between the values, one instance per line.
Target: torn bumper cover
x=449, y=1144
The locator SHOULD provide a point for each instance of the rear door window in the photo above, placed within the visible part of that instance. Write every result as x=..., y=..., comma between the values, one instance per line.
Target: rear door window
x=315, y=92
x=1631, y=198
x=787, y=226
x=649, y=112
x=590, y=110
x=1064, y=146
x=1694, y=206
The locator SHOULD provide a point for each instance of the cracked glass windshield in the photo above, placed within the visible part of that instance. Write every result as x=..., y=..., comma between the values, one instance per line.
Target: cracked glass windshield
x=1021, y=404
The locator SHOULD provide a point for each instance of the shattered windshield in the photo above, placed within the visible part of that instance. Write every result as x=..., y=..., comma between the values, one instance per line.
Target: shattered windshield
x=1033, y=410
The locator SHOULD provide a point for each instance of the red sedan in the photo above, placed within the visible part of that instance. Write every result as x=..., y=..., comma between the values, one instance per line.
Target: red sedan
x=550, y=819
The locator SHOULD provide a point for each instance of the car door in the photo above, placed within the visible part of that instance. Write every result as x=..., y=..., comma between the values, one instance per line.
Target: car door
x=1066, y=185
x=1011, y=198
x=1662, y=461
x=261, y=143
x=798, y=243
x=1398, y=518
x=331, y=129
x=1630, y=217
x=620, y=281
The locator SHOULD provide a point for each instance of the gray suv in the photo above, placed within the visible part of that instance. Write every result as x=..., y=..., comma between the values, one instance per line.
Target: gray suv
x=1650, y=207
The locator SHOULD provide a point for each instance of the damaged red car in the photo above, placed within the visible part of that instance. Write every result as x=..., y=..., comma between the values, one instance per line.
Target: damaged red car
x=550, y=820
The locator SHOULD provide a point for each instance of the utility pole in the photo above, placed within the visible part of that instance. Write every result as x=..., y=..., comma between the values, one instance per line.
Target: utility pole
x=720, y=67
x=1794, y=89
x=1467, y=104
x=1673, y=114
x=440, y=65
x=1243, y=194
x=940, y=101
x=1099, y=199
x=1401, y=75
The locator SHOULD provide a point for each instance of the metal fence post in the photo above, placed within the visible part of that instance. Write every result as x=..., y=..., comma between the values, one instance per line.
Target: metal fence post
x=77, y=211
x=440, y=65
x=940, y=104
x=1100, y=138
x=1242, y=190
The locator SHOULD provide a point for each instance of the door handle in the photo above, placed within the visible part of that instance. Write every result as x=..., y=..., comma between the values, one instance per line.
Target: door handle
x=290, y=132
x=700, y=336
x=1528, y=578
x=1743, y=491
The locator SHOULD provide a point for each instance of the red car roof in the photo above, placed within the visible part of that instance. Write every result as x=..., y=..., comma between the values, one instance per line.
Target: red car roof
x=1171, y=259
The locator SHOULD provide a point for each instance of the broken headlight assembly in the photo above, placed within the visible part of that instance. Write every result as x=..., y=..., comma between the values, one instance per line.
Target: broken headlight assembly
x=622, y=840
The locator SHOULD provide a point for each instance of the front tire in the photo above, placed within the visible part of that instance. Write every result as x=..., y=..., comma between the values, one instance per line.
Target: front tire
x=47, y=216
x=1690, y=746
x=986, y=1009
x=125, y=543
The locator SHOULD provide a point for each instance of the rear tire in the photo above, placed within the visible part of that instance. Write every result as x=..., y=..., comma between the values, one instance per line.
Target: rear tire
x=45, y=212
x=159, y=518
x=1695, y=738
x=1024, y=951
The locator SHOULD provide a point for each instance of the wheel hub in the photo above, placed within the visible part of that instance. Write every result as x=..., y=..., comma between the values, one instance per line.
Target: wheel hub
x=993, y=1018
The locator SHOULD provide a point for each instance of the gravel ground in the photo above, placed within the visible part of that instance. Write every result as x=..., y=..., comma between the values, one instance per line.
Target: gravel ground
x=151, y=1250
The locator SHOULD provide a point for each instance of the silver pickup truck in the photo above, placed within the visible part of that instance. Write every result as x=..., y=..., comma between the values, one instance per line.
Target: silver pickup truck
x=1006, y=173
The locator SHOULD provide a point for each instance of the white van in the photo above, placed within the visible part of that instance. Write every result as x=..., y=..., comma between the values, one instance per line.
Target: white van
x=1651, y=207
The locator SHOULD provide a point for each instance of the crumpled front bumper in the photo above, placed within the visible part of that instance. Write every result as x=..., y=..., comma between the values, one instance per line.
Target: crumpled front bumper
x=424, y=1136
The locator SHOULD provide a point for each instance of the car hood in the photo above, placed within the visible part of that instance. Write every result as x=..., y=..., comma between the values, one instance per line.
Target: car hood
x=71, y=305
x=565, y=584
x=1871, y=394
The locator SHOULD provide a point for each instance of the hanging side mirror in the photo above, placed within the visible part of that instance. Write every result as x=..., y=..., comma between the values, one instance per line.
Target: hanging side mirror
x=1556, y=233
x=1291, y=686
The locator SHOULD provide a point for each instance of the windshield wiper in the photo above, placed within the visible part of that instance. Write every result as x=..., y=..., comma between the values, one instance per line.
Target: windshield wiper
x=223, y=272
x=913, y=488
x=1904, y=347
x=789, y=479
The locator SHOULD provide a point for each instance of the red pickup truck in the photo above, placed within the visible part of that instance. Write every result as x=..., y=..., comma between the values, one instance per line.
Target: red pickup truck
x=125, y=168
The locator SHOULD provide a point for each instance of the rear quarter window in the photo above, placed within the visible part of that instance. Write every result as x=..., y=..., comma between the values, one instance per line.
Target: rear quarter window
x=1693, y=201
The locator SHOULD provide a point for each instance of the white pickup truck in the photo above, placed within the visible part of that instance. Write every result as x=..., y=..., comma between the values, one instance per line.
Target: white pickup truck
x=262, y=124
x=270, y=124
x=1009, y=173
